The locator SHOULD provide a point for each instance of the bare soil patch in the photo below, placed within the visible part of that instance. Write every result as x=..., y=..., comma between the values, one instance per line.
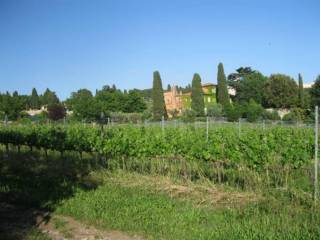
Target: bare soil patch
x=16, y=223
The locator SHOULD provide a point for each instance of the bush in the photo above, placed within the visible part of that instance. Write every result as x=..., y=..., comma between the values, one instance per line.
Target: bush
x=271, y=115
x=296, y=114
x=215, y=110
x=56, y=111
x=24, y=120
x=188, y=116
x=40, y=118
x=147, y=114
x=234, y=112
x=253, y=111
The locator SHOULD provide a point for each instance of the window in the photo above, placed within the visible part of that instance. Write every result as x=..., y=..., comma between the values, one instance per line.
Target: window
x=209, y=99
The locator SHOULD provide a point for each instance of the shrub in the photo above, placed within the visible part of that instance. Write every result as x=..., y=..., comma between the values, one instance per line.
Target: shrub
x=215, y=110
x=188, y=115
x=24, y=120
x=296, y=114
x=234, y=112
x=56, y=111
x=271, y=115
x=40, y=118
x=253, y=111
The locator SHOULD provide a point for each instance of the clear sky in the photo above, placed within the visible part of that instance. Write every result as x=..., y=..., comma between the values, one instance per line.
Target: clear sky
x=71, y=44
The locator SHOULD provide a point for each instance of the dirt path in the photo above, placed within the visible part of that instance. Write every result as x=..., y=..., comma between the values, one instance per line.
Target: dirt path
x=16, y=223
x=61, y=227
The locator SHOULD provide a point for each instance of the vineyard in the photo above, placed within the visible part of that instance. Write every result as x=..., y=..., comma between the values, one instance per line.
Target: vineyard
x=273, y=155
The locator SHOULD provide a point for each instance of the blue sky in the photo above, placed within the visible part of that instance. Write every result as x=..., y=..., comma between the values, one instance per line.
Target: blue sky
x=71, y=44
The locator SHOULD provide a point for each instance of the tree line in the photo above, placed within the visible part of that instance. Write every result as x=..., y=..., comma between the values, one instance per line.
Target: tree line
x=254, y=93
x=14, y=105
x=108, y=100
x=83, y=104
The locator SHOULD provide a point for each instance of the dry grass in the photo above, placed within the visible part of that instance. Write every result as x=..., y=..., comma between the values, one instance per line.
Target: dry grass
x=201, y=193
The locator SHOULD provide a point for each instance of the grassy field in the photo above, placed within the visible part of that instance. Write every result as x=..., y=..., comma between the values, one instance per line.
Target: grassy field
x=159, y=208
x=153, y=206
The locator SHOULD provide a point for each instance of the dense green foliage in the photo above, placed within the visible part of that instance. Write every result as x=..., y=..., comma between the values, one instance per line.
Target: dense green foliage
x=250, y=86
x=277, y=91
x=49, y=98
x=255, y=147
x=271, y=115
x=222, y=89
x=85, y=106
x=14, y=104
x=281, y=91
x=110, y=99
x=253, y=111
x=215, y=110
x=197, y=102
x=234, y=112
x=296, y=115
x=34, y=99
x=159, y=107
x=234, y=78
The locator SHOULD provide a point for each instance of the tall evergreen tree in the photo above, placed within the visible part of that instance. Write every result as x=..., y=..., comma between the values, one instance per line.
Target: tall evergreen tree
x=222, y=90
x=301, y=94
x=197, y=102
x=34, y=99
x=49, y=98
x=159, y=107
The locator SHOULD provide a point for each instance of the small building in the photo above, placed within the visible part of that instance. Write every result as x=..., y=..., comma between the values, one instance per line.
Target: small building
x=176, y=101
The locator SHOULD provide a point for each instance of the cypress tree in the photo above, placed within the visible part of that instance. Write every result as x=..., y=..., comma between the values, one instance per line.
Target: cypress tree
x=159, y=107
x=301, y=95
x=222, y=90
x=49, y=98
x=34, y=99
x=197, y=102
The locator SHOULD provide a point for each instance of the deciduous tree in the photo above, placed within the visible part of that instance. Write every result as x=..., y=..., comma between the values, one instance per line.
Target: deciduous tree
x=281, y=91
